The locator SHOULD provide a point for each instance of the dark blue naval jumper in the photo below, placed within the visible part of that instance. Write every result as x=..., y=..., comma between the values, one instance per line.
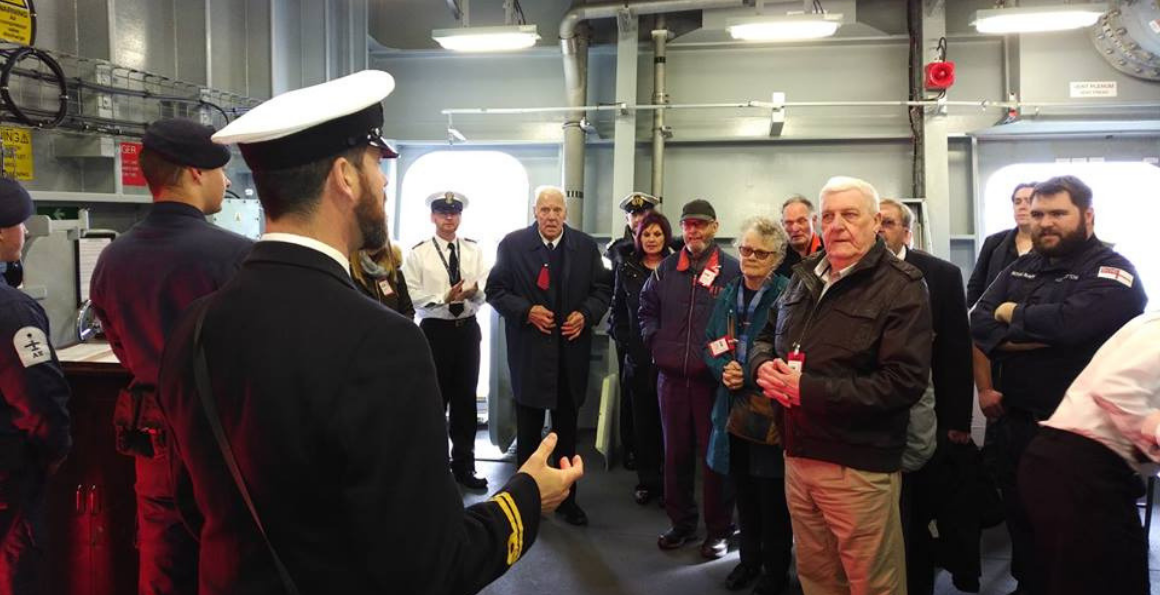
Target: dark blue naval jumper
x=142, y=283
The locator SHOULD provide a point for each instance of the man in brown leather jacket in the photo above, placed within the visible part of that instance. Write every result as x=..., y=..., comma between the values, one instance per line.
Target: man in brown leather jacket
x=846, y=353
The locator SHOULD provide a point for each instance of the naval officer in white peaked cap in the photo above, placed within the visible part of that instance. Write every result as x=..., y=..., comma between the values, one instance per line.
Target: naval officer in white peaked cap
x=312, y=447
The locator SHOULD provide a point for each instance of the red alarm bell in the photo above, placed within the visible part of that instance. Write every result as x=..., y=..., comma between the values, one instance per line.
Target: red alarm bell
x=940, y=75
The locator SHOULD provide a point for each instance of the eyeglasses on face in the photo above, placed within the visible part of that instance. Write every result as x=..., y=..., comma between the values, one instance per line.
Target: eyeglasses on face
x=748, y=252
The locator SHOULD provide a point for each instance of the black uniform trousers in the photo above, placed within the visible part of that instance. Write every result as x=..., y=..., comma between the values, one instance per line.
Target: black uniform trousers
x=455, y=349
x=917, y=510
x=646, y=413
x=762, y=512
x=627, y=431
x=530, y=429
x=22, y=532
x=1081, y=500
x=1007, y=437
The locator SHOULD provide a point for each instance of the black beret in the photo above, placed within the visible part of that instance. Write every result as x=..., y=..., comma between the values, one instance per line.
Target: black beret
x=15, y=203
x=185, y=142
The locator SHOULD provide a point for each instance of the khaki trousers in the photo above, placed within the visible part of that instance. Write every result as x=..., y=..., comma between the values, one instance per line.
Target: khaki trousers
x=847, y=528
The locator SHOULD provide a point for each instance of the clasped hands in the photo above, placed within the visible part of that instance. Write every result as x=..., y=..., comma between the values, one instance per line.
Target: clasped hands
x=780, y=382
x=545, y=321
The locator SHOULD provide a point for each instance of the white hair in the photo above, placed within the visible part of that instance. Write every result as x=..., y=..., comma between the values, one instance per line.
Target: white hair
x=838, y=184
x=548, y=189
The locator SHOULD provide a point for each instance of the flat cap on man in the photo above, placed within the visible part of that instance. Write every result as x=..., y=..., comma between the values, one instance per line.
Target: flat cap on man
x=698, y=209
x=15, y=203
x=636, y=202
x=185, y=142
x=308, y=124
x=447, y=202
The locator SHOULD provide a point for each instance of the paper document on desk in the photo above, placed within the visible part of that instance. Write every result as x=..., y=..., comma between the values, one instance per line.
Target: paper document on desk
x=1130, y=425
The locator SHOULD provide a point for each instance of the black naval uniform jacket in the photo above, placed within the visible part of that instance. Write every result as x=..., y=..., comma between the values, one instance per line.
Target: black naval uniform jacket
x=1072, y=304
x=330, y=404
x=147, y=277
x=34, y=418
x=535, y=359
x=950, y=363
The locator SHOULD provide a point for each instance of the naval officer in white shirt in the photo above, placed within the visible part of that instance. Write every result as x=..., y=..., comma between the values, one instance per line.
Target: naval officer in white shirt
x=445, y=275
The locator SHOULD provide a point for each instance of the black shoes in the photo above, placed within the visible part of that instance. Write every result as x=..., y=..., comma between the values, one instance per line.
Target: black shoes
x=642, y=495
x=771, y=585
x=573, y=515
x=630, y=461
x=741, y=576
x=675, y=538
x=471, y=481
x=714, y=548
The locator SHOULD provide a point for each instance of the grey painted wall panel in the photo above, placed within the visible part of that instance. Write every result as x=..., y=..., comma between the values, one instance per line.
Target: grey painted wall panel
x=145, y=33
x=1051, y=62
x=192, y=57
x=229, y=60
x=257, y=48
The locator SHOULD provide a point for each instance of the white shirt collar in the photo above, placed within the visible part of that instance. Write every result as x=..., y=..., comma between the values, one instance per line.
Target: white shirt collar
x=823, y=270
x=307, y=242
x=555, y=242
x=901, y=254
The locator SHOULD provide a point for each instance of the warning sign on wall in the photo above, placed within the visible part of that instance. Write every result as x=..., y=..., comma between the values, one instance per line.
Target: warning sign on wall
x=16, y=22
x=131, y=164
x=17, y=152
x=1084, y=89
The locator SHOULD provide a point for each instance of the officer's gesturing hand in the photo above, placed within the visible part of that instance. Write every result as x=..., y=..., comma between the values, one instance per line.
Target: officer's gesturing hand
x=455, y=294
x=542, y=318
x=554, y=484
x=573, y=326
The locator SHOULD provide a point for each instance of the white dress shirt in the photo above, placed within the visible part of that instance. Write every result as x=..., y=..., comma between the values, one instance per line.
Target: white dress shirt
x=313, y=244
x=428, y=281
x=1125, y=372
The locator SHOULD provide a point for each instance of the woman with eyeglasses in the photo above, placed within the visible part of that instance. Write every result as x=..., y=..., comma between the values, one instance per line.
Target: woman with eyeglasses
x=744, y=442
x=651, y=238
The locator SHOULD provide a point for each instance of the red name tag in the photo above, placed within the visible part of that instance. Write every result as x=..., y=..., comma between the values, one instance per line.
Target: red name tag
x=796, y=361
x=720, y=347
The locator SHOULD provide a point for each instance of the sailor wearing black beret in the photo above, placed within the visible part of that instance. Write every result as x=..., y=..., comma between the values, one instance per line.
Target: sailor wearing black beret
x=141, y=283
x=34, y=434
x=323, y=429
x=445, y=274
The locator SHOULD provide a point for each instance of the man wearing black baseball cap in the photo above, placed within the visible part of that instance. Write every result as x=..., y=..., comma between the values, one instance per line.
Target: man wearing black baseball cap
x=673, y=321
x=142, y=283
x=34, y=429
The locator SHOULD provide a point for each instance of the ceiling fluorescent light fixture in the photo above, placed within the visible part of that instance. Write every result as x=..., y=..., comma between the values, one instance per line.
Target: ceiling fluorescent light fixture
x=793, y=27
x=487, y=39
x=1037, y=19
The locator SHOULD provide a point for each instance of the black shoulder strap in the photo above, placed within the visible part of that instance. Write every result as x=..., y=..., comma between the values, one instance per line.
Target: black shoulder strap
x=205, y=393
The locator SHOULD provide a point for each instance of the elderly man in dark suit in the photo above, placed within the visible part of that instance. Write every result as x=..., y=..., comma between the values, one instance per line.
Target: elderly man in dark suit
x=312, y=451
x=953, y=391
x=551, y=288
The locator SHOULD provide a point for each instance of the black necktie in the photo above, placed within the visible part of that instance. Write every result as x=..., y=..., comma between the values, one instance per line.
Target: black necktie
x=551, y=246
x=454, y=276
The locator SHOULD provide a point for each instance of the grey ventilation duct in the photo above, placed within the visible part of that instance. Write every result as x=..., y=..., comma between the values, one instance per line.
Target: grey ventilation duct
x=1128, y=37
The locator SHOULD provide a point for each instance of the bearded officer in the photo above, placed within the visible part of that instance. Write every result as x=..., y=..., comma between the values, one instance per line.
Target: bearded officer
x=34, y=420
x=444, y=275
x=306, y=417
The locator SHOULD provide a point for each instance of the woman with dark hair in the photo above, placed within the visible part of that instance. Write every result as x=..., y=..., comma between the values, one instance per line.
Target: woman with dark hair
x=650, y=246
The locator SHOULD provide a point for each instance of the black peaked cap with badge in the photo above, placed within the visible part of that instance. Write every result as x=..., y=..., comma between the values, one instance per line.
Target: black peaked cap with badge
x=636, y=202
x=15, y=203
x=447, y=202
x=185, y=142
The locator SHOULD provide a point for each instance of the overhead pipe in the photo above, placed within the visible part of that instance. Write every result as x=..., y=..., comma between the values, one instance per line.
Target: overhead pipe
x=660, y=36
x=575, y=50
